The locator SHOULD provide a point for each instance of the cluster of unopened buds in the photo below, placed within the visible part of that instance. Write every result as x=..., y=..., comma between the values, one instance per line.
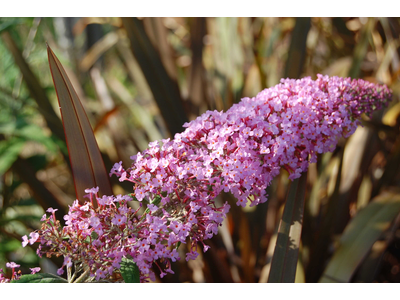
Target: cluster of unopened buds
x=238, y=151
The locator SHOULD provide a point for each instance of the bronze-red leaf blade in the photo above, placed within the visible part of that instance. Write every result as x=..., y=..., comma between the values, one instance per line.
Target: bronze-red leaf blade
x=86, y=161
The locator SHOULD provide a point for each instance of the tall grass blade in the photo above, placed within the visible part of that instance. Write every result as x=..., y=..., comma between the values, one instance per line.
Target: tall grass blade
x=87, y=164
x=284, y=260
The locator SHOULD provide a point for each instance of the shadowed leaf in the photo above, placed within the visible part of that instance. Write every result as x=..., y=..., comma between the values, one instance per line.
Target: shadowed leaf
x=9, y=151
x=298, y=47
x=130, y=271
x=41, y=193
x=87, y=164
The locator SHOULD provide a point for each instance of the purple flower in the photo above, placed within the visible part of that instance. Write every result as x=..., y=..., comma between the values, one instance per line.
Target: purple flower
x=94, y=222
x=51, y=210
x=12, y=265
x=24, y=241
x=117, y=169
x=67, y=261
x=35, y=270
x=60, y=271
x=85, y=207
x=119, y=219
x=34, y=236
x=92, y=190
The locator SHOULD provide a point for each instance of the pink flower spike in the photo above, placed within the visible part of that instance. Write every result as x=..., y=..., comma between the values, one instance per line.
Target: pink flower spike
x=238, y=151
x=60, y=271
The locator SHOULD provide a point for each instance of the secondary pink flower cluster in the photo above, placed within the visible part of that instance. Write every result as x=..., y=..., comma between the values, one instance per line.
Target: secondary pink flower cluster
x=99, y=237
x=239, y=151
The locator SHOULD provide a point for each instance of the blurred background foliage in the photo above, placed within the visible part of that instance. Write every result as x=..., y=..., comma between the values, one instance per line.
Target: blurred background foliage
x=140, y=79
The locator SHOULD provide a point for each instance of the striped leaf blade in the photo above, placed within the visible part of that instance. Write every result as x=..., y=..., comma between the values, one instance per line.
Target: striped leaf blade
x=87, y=164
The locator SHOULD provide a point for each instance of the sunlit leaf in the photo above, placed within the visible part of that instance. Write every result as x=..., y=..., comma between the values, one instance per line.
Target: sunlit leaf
x=284, y=260
x=359, y=236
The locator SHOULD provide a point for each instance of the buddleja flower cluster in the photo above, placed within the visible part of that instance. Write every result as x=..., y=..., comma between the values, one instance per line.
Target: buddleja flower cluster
x=95, y=240
x=238, y=151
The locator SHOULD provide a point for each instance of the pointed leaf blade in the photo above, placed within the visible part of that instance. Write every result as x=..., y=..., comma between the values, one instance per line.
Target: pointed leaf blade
x=87, y=164
x=359, y=236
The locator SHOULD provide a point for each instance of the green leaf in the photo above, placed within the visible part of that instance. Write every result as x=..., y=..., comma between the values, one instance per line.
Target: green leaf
x=9, y=245
x=34, y=87
x=9, y=151
x=9, y=22
x=155, y=201
x=94, y=235
x=284, y=260
x=129, y=270
x=86, y=161
x=35, y=133
x=40, y=278
x=359, y=236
